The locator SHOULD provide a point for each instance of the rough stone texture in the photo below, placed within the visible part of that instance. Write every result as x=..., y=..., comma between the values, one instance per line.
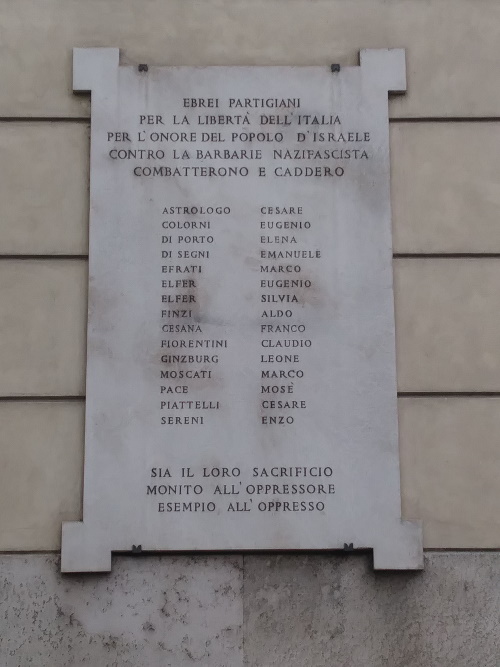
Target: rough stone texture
x=447, y=324
x=324, y=611
x=276, y=611
x=149, y=612
x=44, y=188
x=42, y=327
x=445, y=187
x=450, y=467
x=453, y=59
x=41, y=445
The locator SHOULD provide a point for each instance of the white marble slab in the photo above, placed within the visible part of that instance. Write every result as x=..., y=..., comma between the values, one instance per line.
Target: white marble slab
x=241, y=388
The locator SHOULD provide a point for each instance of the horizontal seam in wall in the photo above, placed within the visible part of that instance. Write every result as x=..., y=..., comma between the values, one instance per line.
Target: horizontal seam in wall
x=400, y=394
x=447, y=119
x=323, y=552
x=44, y=119
x=448, y=394
x=461, y=550
x=48, y=399
x=45, y=257
x=29, y=552
x=396, y=255
x=423, y=119
x=446, y=255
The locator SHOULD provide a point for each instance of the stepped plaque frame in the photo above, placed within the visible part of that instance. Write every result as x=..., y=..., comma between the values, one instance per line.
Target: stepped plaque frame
x=241, y=378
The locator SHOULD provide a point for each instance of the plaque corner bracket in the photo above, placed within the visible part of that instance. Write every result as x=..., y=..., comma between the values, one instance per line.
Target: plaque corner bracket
x=401, y=548
x=83, y=552
x=386, y=65
x=92, y=65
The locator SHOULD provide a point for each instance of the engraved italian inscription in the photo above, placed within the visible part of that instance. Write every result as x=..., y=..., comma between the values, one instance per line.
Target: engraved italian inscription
x=241, y=370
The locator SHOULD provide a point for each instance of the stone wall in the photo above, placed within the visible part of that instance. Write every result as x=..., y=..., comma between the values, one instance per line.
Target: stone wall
x=258, y=610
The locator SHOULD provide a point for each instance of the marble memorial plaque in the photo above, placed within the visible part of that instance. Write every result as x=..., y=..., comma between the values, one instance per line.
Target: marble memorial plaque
x=241, y=385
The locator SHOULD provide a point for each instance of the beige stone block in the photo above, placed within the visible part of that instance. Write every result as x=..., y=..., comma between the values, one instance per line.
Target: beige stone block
x=44, y=173
x=42, y=327
x=445, y=190
x=450, y=467
x=447, y=324
x=41, y=472
x=453, y=55
x=445, y=187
